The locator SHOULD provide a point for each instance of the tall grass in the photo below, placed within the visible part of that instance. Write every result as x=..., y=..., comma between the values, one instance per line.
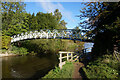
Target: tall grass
x=66, y=72
x=105, y=67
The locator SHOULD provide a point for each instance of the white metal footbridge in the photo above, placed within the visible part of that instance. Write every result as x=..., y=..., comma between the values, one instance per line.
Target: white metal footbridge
x=71, y=34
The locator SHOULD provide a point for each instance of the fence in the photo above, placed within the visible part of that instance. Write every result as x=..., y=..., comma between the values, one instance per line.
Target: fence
x=71, y=56
x=117, y=55
x=116, y=52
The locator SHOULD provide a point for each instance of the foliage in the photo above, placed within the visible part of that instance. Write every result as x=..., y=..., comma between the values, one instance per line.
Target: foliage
x=98, y=13
x=58, y=17
x=12, y=17
x=50, y=45
x=100, y=69
x=103, y=19
x=3, y=51
x=6, y=42
x=33, y=53
x=19, y=51
x=66, y=72
x=43, y=21
x=62, y=25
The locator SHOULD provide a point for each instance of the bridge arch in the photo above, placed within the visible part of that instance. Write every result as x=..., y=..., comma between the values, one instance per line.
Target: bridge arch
x=71, y=34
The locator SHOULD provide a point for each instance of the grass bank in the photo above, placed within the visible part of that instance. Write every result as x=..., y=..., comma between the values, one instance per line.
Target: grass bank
x=66, y=72
x=105, y=67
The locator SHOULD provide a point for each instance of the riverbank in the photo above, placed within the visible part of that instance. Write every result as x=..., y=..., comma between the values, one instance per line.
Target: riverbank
x=8, y=54
x=70, y=70
x=66, y=72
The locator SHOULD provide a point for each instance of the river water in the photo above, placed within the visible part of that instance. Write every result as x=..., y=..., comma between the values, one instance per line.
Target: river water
x=88, y=45
x=27, y=66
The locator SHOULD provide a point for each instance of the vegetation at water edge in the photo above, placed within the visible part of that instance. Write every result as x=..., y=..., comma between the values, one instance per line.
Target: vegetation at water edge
x=66, y=72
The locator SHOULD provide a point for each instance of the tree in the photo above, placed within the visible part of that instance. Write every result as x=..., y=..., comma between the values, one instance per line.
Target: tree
x=97, y=14
x=63, y=24
x=58, y=15
x=103, y=20
x=12, y=18
x=46, y=21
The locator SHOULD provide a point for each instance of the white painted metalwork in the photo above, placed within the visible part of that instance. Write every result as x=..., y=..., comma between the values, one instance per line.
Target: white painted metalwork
x=48, y=34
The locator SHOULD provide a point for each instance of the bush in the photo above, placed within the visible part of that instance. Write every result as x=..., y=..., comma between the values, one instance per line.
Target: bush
x=50, y=45
x=22, y=51
x=33, y=53
x=19, y=50
x=102, y=69
x=3, y=51
x=6, y=40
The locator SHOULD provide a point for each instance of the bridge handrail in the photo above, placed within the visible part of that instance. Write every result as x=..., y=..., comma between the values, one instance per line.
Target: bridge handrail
x=46, y=33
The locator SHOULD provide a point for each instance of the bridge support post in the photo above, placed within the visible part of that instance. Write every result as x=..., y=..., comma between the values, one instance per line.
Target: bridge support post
x=54, y=36
x=47, y=35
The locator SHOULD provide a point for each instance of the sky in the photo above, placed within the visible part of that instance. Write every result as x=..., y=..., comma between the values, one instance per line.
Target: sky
x=69, y=10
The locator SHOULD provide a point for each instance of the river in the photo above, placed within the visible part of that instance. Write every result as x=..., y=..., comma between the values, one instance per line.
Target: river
x=88, y=45
x=27, y=66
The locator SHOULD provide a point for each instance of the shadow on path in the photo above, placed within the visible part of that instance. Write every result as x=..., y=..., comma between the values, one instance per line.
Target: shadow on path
x=78, y=71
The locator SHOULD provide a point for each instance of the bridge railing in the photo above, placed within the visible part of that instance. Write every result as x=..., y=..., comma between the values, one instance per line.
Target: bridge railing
x=68, y=33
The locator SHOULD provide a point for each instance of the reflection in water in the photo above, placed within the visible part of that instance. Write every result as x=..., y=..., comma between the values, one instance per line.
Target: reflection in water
x=27, y=66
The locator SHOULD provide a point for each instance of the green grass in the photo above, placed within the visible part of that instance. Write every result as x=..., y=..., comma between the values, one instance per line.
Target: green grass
x=105, y=67
x=66, y=71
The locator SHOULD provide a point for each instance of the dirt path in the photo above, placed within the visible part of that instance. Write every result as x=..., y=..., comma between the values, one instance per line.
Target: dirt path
x=77, y=67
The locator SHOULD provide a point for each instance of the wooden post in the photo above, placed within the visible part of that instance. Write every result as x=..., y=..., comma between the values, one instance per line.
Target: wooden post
x=60, y=64
x=71, y=56
x=85, y=53
x=60, y=57
x=67, y=56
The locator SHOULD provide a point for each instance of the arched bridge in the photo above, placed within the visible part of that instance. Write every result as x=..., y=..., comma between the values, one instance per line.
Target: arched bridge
x=71, y=34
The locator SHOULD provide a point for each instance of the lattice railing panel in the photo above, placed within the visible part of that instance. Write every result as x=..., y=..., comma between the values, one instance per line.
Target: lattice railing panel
x=62, y=34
